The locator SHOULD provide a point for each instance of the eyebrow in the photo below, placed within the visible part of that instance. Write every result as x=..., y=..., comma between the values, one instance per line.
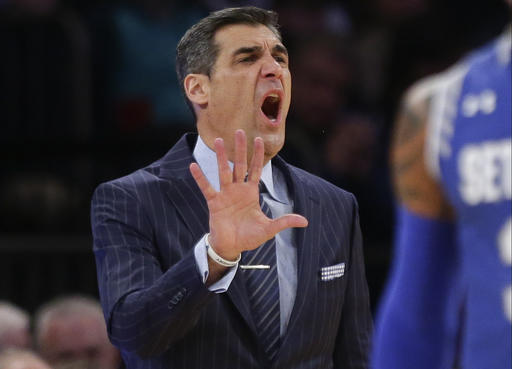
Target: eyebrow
x=281, y=49
x=248, y=50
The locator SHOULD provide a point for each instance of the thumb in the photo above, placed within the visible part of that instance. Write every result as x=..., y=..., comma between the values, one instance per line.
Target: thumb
x=288, y=221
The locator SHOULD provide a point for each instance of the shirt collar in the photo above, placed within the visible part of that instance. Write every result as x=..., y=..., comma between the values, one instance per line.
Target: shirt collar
x=207, y=160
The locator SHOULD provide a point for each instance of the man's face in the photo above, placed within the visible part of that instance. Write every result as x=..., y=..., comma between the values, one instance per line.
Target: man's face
x=19, y=337
x=79, y=342
x=249, y=88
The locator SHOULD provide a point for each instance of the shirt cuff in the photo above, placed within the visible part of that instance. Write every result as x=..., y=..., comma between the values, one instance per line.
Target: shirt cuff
x=200, y=253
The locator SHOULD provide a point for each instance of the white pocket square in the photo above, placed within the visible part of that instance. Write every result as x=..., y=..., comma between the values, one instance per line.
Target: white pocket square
x=331, y=272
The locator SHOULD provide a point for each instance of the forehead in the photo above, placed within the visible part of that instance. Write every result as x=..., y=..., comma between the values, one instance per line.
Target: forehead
x=234, y=36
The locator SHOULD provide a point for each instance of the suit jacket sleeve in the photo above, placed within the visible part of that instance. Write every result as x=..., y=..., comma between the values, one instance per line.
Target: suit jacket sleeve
x=354, y=334
x=146, y=308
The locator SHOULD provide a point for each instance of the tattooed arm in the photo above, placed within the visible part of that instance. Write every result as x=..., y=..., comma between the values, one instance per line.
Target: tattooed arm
x=415, y=188
x=411, y=331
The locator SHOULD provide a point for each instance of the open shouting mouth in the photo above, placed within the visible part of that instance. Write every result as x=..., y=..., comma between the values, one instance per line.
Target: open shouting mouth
x=271, y=106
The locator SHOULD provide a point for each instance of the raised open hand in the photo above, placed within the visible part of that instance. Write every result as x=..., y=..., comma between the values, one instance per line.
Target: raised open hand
x=236, y=221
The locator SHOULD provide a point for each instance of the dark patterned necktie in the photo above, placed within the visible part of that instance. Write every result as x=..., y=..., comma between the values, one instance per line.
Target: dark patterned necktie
x=263, y=289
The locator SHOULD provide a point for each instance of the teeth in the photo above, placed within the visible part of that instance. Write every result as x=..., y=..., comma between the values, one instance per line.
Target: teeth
x=273, y=97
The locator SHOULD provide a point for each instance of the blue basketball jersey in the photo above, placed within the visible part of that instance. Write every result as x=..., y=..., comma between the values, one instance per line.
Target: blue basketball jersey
x=470, y=143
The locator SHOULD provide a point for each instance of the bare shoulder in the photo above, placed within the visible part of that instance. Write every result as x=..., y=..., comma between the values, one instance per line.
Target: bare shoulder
x=414, y=185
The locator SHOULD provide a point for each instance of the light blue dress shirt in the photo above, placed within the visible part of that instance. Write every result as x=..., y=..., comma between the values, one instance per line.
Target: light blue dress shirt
x=280, y=203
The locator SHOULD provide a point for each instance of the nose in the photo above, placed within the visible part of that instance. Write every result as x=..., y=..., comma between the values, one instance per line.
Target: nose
x=270, y=67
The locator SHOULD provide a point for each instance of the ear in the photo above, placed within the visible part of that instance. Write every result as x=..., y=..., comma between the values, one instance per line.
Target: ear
x=197, y=88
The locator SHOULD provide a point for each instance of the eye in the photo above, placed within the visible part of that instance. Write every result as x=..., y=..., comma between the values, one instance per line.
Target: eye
x=281, y=59
x=248, y=59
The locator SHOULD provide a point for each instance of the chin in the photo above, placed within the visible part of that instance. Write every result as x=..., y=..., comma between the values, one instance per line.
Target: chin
x=273, y=144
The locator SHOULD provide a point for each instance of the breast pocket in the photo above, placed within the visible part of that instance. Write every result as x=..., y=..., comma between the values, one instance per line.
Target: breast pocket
x=331, y=293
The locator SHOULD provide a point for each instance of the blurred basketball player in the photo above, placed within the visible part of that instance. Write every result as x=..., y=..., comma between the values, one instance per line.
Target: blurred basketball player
x=451, y=278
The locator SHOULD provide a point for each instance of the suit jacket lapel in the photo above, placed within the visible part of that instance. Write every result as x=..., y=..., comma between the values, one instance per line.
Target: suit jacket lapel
x=183, y=191
x=191, y=205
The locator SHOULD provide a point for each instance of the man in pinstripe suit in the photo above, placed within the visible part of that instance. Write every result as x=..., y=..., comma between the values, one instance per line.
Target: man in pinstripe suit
x=178, y=243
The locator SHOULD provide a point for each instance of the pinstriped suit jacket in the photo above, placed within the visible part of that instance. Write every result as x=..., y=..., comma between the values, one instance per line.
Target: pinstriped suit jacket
x=161, y=315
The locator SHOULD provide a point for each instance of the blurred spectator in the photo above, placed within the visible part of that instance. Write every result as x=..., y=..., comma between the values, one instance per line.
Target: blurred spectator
x=399, y=42
x=354, y=158
x=396, y=11
x=21, y=359
x=324, y=74
x=135, y=55
x=351, y=147
x=14, y=327
x=299, y=18
x=70, y=333
x=37, y=201
x=44, y=71
x=45, y=111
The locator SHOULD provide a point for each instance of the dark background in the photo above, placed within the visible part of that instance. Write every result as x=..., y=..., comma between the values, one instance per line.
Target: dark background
x=88, y=93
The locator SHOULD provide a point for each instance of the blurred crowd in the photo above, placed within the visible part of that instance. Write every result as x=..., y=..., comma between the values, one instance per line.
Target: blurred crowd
x=89, y=93
x=67, y=332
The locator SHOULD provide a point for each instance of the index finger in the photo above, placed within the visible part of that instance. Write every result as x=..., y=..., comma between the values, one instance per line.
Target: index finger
x=205, y=186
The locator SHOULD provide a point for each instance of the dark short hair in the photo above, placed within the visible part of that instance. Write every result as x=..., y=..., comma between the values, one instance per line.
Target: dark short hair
x=197, y=52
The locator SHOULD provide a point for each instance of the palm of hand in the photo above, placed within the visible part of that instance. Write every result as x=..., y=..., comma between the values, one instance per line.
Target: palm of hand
x=237, y=222
x=236, y=219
